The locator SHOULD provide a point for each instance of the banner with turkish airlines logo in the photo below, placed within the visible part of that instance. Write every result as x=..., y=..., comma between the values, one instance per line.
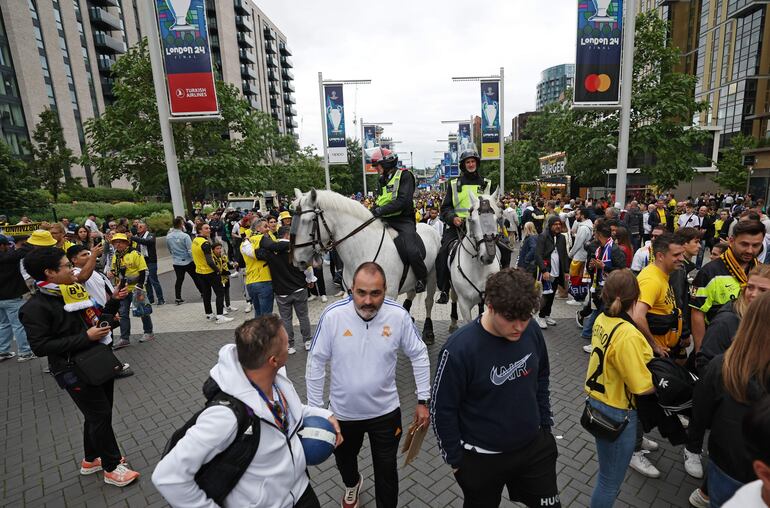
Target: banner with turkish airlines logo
x=599, y=49
x=184, y=43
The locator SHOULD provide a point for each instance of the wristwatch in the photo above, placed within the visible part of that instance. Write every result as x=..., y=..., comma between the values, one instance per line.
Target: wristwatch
x=423, y=402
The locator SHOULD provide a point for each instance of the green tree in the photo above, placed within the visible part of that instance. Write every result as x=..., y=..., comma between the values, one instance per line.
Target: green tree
x=236, y=153
x=51, y=159
x=732, y=173
x=662, y=143
x=17, y=185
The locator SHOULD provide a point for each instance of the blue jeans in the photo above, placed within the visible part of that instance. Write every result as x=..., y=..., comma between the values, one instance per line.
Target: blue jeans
x=721, y=485
x=153, y=283
x=588, y=323
x=125, y=318
x=10, y=326
x=261, y=294
x=613, y=456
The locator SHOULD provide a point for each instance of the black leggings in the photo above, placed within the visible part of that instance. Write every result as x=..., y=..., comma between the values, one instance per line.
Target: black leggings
x=95, y=403
x=213, y=281
x=180, y=270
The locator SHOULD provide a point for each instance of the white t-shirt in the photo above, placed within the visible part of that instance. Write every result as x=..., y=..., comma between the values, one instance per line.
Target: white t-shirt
x=91, y=225
x=555, y=261
x=689, y=220
x=748, y=496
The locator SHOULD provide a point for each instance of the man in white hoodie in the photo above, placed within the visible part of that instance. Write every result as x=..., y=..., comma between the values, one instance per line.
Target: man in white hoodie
x=252, y=371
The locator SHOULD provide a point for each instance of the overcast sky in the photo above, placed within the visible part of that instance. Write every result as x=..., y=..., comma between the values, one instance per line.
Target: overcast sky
x=410, y=49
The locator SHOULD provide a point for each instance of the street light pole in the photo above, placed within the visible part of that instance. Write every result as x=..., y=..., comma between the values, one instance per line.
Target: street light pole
x=629, y=25
x=166, y=134
x=501, y=189
x=363, y=155
x=323, y=130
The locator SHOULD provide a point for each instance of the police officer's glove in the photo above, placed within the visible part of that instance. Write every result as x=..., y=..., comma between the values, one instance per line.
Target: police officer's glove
x=377, y=212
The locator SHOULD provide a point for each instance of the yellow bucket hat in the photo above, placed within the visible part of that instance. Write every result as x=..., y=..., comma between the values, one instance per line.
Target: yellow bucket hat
x=41, y=238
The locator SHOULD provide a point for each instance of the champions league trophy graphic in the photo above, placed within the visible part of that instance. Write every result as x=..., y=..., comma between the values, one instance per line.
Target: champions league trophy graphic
x=335, y=115
x=490, y=110
x=601, y=15
x=369, y=143
x=180, y=9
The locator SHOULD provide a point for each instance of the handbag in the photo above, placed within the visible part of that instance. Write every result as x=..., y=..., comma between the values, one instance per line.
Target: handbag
x=140, y=306
x=96, y=365
x=599, y=424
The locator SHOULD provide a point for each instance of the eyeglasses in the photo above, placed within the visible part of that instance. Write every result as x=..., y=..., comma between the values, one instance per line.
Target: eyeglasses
x=66, y=265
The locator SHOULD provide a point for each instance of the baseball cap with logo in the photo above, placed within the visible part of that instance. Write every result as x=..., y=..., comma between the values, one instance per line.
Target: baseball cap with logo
x=41, y=238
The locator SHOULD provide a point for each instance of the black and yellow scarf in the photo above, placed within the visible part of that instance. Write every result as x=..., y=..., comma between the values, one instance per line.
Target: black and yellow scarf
x=735, y=268
x=76, y=299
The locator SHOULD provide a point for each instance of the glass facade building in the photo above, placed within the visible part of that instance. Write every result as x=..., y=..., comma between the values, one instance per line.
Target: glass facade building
x=554, y=81
x=13, y=127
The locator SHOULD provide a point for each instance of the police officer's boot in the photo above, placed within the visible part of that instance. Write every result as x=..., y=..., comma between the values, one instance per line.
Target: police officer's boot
x=419, y=286
x=443, y=297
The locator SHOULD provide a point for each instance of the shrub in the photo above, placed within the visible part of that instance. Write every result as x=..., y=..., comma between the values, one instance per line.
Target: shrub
x=81, y=210
x=95, y=194
x=160, y=222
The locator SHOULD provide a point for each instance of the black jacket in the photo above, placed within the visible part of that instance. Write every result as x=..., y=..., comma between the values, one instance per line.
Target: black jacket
x=447, y=211
x=545, y=247
x=54, y=332
x=149, y=242
x=11, y=282
x=715, y=409
x=719, y=335
x=404, y=200
x=679, y=283
x=634, y=221
x=287, y=278
x=654, y=220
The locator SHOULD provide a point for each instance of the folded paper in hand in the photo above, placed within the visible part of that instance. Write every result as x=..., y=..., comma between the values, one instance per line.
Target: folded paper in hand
x=414, y=437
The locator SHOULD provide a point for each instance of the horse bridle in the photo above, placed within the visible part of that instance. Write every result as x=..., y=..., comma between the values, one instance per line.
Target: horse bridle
x=315, y=232
x=484, y=208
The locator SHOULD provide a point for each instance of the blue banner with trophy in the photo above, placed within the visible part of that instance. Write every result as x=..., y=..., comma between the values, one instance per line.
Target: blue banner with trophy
x=454, y=168
x=186, y=57
x=599, y=51
x=490, y=120
x=464, y=140
x=370, y=144
x=335, y=124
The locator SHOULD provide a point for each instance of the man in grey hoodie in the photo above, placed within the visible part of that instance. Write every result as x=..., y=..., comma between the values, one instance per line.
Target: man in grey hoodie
x=584, y=231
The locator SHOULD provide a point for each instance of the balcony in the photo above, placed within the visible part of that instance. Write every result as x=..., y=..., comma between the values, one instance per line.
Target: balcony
x=270, y=48
x=284, y=49
x=247, y=56
x=286, y=62
x=287, y=74
x=240, y=7
x=269, y=34
x=245, y=40
x=105, y=64
x=243, y=23
x=292, y=123
x=272, y=61
x=104, y=3
x=249, y=89
x=107, y=84
x=291, y=111
x=274, y=102
x=273, y=88
x=103, y=20
x=108, y=45
x=248, y=72
x=288, y=86
x=272, y=75
x=289, y=98
x=254, y=102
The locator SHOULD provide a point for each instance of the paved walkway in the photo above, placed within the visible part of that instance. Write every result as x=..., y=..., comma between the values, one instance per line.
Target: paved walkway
x=43, y=443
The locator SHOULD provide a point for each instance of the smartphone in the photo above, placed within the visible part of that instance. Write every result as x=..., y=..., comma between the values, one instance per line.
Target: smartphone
x=104, y=324
x=97, y=241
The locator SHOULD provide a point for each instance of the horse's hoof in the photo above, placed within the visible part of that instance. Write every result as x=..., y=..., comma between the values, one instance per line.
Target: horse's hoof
x=428, y=338
x=452, y=328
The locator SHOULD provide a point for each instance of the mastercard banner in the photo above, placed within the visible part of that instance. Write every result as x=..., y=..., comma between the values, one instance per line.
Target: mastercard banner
x=599, y=47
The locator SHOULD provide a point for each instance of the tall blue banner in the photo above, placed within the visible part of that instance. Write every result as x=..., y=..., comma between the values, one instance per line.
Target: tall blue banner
x=335, y=124
x=186, y=57
x=464, y=140
x=490, y=120
x=599, y=49
x=370, y=136
x=454, y=169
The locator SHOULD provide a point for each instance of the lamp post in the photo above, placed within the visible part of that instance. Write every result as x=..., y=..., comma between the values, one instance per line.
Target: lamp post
x=501, y=79
x=629, y=25
x=321, y=83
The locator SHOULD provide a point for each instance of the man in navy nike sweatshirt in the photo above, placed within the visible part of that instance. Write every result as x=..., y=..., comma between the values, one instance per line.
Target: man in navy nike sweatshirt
x=490, y=404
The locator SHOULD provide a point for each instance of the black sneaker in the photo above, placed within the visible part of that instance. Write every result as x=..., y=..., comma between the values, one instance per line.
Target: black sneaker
x=443, y=297
x=579, y=319
x=179, y=302
x=419, y=286
x=161, y=302
x=7, y=356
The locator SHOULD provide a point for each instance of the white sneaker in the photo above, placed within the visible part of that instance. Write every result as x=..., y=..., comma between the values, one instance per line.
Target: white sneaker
x=698, y=499
x=292, y=351
x=575, y=303
x=649, y=444
x=692, y=464
x=224, y=311
x=541, y=322
x=223, y=319
x=642, y=465
x=209, y=317
x=350, y=498
x=339, y=294
x=232, y=309
x=549, y=321
x=588, y=348
x=684, y=421
x=308, y=343
x=311, y=298
x=324, y=299
x=248, y=308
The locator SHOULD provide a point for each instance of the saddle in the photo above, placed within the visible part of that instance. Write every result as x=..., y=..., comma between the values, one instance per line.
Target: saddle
x=453, y=248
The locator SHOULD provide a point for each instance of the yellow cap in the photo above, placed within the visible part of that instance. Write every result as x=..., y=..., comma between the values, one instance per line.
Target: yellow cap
x=284, y=215
x=119, y=236
x=41, y=238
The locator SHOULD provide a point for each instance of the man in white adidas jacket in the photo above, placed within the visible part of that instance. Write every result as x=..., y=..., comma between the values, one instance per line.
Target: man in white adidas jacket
x=361, y=337
x=277, y=476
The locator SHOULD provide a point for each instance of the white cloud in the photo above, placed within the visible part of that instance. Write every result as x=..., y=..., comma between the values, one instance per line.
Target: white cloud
x=410, y=49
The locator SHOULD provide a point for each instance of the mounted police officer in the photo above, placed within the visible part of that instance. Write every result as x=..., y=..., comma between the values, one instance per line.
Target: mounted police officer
x=395, y=206
x=455, y=209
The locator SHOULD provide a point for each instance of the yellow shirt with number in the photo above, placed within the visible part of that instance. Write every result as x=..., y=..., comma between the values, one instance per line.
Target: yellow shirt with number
x=619, y=370
x=656, y=292
x=133, y=262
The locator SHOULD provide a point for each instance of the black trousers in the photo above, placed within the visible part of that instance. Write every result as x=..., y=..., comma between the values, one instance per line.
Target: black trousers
x=529, y=474
x=442, y=271
x=209, y=282
x=308, y=499
x=384, y=435
x=95, y=403
x=180, y=271
x=547, y=301
x=319, y=289
x=407, y=242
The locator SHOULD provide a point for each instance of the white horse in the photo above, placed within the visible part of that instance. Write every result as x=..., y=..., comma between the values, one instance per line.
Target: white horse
x=324, y=220
x=476, y=257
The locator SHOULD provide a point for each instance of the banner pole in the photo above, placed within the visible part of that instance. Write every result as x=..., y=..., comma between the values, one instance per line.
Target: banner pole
x=501, y=190
x=363, y=154
x=323, y=129
x=159, y=81
x=626, y=81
